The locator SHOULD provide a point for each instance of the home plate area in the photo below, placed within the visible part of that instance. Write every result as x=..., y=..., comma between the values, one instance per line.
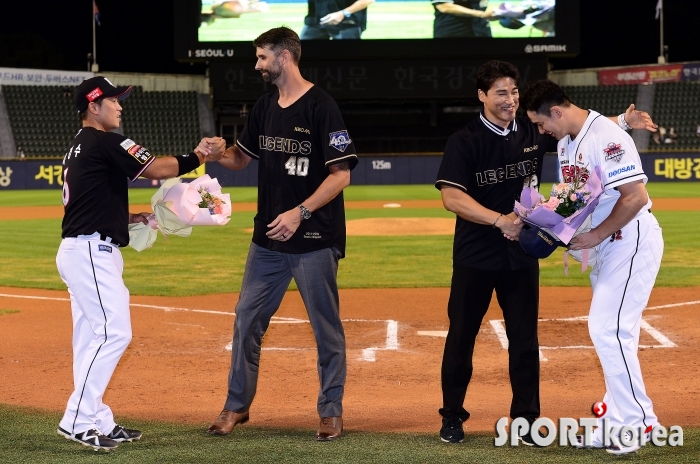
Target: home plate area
x=573, y=331
x=365, y=335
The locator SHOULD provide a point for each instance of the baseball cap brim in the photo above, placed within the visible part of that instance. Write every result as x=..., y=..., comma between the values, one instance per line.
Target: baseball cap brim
x=537, y=242
x=120, y=92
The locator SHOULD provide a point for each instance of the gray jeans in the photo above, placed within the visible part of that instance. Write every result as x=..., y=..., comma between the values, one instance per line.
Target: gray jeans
x=265, y=281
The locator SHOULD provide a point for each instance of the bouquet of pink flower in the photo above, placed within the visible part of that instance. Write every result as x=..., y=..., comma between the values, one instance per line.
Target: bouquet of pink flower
x=177, y=206
x=567, y=208
x=214, y=202
x=567, y=198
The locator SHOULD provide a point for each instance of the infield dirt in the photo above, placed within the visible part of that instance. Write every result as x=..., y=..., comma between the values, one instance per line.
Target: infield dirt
x=177, y=364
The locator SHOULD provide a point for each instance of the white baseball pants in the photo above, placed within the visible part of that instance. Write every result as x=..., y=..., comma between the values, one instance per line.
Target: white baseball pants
x=92, y=270
x=622, y=281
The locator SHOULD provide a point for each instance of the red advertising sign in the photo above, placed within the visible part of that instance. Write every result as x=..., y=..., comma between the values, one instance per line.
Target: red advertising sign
x=641, y=75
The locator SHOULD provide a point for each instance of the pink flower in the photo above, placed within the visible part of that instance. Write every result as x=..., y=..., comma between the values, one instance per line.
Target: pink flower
x=573, y=197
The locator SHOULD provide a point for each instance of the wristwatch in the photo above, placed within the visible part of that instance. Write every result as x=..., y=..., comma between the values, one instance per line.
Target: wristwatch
x=347, y=14
x=305, y=213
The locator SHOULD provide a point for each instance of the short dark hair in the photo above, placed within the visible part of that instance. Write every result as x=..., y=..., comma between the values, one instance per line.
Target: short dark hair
x=541, y=96
x=491, y=71
x=84, y=114
x=278, y=39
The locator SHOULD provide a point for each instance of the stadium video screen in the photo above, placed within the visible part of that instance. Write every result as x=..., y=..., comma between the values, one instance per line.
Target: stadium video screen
x=244, y=20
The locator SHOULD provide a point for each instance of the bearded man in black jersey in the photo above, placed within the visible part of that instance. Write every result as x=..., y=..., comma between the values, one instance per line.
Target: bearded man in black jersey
x=304, y=155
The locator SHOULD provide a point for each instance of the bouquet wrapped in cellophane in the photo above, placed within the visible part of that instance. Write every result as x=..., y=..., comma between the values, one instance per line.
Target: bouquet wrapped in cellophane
x=177, y=206
x=567, y=211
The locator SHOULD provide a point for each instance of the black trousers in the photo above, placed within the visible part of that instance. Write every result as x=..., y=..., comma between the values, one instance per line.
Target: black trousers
x=517, y=293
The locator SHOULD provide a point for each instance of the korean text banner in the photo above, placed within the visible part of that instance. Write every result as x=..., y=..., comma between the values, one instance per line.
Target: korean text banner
x=16, y=76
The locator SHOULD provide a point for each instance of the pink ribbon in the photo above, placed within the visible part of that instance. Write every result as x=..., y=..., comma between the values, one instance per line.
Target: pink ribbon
x=584, y=262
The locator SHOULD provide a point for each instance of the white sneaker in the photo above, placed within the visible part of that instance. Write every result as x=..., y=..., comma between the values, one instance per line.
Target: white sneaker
x=621, y=449
x=596, y=442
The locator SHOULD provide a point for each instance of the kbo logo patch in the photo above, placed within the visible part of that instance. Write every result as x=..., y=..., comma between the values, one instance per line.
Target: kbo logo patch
x=340, y=140
x=613, y=152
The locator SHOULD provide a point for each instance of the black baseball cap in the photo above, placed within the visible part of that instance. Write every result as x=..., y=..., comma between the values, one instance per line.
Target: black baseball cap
x=95, y=88
x=537, y=242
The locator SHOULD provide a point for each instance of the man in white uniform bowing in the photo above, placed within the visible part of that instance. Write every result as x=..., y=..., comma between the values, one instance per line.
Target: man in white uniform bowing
x=629, y=246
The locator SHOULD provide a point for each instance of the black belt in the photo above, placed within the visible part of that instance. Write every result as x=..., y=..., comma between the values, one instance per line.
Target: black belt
x=107, y=239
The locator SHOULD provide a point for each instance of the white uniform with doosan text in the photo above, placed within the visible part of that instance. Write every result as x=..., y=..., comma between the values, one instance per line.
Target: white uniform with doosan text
x=625, y=271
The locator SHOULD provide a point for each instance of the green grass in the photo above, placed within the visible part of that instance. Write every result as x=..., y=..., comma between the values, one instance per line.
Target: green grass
x=673, y=190
x=29, y=436
x=373, y=262
x=28, y=248
x=352, y=193
x=8, y=311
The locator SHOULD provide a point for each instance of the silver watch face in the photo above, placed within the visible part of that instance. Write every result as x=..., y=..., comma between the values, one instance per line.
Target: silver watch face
x=305, y=213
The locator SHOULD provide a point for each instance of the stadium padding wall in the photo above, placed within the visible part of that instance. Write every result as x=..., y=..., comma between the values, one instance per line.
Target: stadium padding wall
x=371, y=170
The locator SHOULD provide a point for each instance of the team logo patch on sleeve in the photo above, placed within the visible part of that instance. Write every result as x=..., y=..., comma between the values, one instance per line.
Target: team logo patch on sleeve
x=139, y=153
x=128, y=143
x=613, y=152
x=339, y=140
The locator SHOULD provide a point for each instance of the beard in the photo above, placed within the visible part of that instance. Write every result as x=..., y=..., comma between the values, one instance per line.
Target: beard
x=271, y=75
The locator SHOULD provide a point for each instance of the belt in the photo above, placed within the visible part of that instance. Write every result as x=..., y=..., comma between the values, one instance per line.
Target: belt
x=107, y=239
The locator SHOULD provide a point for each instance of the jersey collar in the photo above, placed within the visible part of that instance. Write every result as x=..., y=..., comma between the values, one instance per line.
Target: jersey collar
x=513, y=126
x=592, y=115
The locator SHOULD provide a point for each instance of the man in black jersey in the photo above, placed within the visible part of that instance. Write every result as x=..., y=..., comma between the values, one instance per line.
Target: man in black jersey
x=462, y=18
x=335, y=19
x=484, y=168
x=95, y=226
x=305, y=155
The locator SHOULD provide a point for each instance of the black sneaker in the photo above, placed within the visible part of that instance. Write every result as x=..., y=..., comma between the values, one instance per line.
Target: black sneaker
x=451, y=431
x=120, y=434
x=528, y=441
x=92, y=438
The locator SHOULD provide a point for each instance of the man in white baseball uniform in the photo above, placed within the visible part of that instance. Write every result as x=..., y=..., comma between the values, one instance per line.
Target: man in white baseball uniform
x=629, y=246
x=95, y=226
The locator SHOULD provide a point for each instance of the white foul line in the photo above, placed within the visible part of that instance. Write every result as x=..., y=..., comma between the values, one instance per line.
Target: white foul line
x=167, y=309
x=674, y=305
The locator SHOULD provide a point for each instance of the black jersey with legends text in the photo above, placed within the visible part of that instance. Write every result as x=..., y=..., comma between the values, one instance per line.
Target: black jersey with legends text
x=295, y=147
x=492, y=165
x=95, y=186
